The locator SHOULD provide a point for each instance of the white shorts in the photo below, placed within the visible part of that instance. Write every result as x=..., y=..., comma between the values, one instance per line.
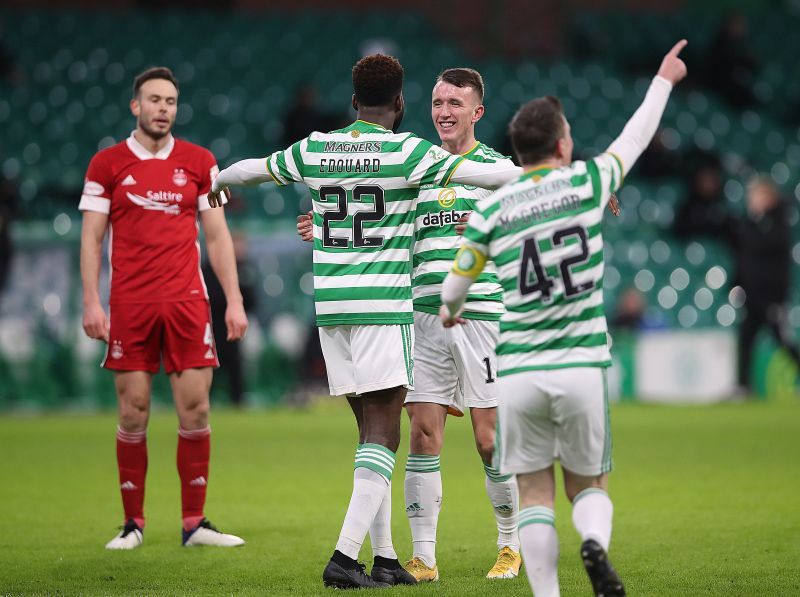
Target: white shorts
x=367, y=358
x=455, y=367
x=554, y=414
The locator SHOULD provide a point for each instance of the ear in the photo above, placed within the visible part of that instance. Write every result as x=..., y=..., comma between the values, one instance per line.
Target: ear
x=355, y=103
x=478, y=113
x=399, y=103
x=561, y=149
x=136, y=107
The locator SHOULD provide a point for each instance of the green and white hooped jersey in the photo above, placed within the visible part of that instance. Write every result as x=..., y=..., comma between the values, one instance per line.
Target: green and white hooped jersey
x=544, y=234
x=436, y=244
x=364, y=181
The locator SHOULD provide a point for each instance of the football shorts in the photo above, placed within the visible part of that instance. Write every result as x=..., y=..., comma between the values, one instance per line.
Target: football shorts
x=455, y=367
x=142, y=334
x=554, y=414
x=367, y=358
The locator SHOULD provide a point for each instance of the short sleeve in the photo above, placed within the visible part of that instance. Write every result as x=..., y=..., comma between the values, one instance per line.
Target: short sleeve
x=287, y=166
x=429, y=164
x=97, y=185
x=208, y=172
x=605, y=172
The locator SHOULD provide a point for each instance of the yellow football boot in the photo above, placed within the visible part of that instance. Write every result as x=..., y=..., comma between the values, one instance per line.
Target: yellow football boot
x=422, y=572
x=507, y=564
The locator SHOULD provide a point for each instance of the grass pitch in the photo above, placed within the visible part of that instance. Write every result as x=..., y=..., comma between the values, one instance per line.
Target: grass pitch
x=706, y=503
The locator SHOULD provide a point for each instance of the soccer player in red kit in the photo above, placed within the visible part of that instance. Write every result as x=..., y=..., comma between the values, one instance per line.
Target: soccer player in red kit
x=147, y=191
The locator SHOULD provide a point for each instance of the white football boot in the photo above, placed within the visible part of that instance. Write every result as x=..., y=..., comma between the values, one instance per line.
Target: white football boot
x=129, y=538
x=206, y=533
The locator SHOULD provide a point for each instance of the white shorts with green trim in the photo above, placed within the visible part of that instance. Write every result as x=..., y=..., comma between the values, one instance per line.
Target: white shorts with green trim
x=554, y=414
x=367, y=358
x=455, y=367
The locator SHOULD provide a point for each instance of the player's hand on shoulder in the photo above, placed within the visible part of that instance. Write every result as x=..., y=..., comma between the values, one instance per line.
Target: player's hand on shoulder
x=673, y=69
x=95, y=322
x=461, y=227
x=215, y=198
x=235, y=321
x=305, y=226
x=448, y=320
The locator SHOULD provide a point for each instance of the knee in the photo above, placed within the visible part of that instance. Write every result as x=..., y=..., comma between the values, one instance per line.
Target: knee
x=425, y=438
x=194, y=413
x=133, y=411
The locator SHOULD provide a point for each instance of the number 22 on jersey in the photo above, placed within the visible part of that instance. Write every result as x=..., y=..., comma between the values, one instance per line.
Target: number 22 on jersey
x=338, y=197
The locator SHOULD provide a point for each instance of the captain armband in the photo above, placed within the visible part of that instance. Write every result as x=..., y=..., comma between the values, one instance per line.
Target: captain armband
x=469, y=262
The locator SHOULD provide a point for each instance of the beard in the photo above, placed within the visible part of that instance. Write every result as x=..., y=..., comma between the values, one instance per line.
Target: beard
x=152, y=133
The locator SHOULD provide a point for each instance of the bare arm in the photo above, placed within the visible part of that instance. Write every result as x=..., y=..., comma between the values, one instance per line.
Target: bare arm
x=223, y=261
x=93, y=230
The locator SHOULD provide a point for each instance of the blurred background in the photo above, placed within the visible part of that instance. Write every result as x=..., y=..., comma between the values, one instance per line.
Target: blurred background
x=700, y=286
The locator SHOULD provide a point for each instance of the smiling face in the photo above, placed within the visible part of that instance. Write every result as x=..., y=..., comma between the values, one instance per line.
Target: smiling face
x=454, y=111
x=155, y=107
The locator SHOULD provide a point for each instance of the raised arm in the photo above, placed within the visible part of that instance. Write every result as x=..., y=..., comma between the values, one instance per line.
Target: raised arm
x=639, y=131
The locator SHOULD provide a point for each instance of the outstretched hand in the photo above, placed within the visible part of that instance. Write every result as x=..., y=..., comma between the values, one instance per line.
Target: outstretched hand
x=672, y=68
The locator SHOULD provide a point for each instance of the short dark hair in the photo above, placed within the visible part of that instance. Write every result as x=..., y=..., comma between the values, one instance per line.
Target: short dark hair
x=463, y=77
x=156, y=72
x=536, y=128
x=377, y=80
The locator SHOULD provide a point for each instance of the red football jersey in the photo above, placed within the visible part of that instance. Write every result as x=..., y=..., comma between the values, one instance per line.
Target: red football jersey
x=153, y=202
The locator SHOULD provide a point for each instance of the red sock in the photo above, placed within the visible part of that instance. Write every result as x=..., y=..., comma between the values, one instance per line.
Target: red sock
x=194, y=448
x=132, y=464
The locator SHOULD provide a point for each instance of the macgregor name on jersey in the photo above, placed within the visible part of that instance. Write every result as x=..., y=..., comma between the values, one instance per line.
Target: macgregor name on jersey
x=542, y=211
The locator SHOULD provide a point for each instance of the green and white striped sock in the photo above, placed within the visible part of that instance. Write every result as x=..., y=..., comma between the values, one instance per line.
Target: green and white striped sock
x=494, y=474
x=504, y=496
x=592, y=513
x=423, y=492
x=422, y=463
x=376, y=458
x=537, y=533
x=371, y=477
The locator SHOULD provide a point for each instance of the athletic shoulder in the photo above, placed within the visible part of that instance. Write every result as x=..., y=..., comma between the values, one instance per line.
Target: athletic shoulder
x=111, y=153
x=194, y=151
x=486, y=154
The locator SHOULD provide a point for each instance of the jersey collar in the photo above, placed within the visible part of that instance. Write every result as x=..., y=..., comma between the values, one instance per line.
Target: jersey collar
x=472, y=149
x=539, y=172
x=142, y=153
x=367, y=127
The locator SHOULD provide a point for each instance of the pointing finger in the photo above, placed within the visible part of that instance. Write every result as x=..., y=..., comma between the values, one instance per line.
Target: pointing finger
x=676, y=49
